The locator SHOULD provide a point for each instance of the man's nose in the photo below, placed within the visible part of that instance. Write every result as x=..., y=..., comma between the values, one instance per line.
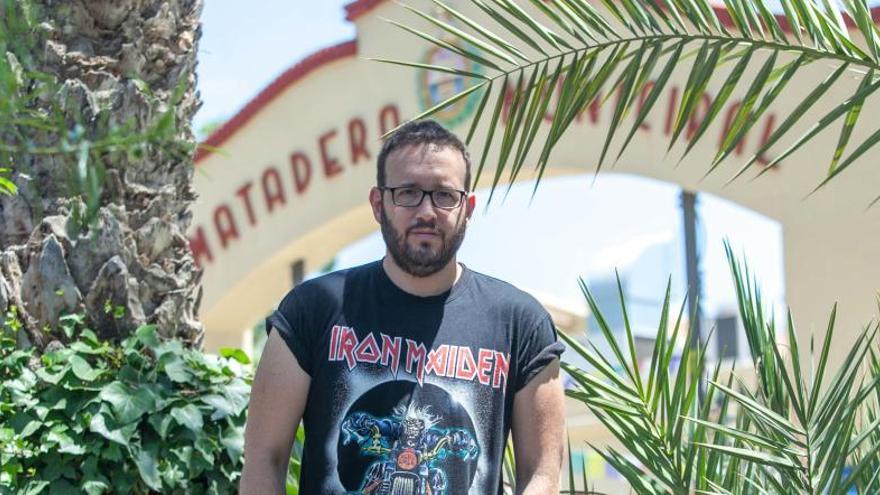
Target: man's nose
x=425, y=209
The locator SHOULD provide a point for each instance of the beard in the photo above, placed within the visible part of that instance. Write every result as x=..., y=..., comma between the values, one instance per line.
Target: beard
x=423, y=260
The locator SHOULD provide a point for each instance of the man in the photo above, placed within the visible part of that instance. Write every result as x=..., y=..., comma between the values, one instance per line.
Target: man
x=409, y=372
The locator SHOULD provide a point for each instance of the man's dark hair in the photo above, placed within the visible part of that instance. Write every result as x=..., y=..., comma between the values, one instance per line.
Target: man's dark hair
x=422, y=132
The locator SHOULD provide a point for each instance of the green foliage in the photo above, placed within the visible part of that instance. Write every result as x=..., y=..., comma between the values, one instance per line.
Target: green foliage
x=146, y=416
x=784, y=430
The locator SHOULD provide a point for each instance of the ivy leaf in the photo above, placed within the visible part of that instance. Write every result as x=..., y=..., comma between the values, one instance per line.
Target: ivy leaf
x=112, y=452
x=52, y=378
x=73, y=319
x=233, y=440
x=148, y=336
x=24, y=424
x=238, y=395
x=90, y=348
x=206, y=448
x=98, y=425
x=172, y=347
x=221, y=405
x=176, y=370
x=95, y=487
x=34, y=487
x=63, y=487
x=160, y=423
x=66, y=445
x=89, y=337
x=148, y=467
x=83, y=370
x=128, y=404
x=236, y=354
x=189, y=416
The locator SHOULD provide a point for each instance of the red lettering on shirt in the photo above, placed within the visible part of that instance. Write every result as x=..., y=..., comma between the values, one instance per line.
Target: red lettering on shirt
x=484, y=365
x=367, y=351
x=502, y=364
x=467, y=368
x=391, y=352
x=334, y=343
x=415, y=354
x=437, y=360
x=347, y=344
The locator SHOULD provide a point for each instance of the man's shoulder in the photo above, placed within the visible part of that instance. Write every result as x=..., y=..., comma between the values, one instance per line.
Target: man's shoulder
x=329, y=286
x=500, y=292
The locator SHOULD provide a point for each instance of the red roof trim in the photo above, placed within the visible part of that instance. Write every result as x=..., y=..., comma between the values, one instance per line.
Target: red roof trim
x=358, y=8
x=291, y=76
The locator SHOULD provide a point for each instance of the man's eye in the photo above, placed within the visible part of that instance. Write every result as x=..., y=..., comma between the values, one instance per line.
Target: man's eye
x=408, y=194
x=445, y=197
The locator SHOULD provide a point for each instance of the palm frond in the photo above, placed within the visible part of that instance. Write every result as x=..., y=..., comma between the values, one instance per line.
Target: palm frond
x=630, y=48
x=778, y=431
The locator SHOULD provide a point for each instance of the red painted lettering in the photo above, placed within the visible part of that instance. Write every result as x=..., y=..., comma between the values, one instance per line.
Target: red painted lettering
x=728, y=123
x=592, y=109
x=302, y=171
x=357, y=140
x=389, y=118
x=199, y=247
x=244, y=193
x=273, y=192
x=550, y=113
x=643, y=96
x=331, y=164
x=765, y=137
x=698, y=115
x=672, y=111
x=224, y=222
x=509, y=91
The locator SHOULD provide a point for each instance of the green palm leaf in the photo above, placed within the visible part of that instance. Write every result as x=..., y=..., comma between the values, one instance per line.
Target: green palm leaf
x=530, y=38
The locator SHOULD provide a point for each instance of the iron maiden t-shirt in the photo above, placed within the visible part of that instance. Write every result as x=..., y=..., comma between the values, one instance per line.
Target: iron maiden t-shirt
x=410, y=395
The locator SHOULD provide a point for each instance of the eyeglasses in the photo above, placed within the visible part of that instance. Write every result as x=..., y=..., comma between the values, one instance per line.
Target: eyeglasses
x=411, y=197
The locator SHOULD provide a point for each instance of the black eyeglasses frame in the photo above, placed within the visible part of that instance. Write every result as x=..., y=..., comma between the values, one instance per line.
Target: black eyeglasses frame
x=425, y=192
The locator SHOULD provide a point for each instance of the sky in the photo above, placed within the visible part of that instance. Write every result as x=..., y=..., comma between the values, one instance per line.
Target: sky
x=575, y=227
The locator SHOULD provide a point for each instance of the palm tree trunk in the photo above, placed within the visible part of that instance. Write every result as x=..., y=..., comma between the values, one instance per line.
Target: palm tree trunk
x=115, y=63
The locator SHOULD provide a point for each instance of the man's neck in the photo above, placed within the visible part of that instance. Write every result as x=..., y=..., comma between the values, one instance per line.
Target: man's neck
x=431, y=285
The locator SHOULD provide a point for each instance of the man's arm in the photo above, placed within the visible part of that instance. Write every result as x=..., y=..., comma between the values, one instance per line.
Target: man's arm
x=538, y=433
x=278, y=397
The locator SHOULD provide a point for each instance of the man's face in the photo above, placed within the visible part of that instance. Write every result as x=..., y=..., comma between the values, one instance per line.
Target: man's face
x=422, y=239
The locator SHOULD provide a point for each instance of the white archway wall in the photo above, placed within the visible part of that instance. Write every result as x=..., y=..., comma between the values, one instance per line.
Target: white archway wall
x=830, y=241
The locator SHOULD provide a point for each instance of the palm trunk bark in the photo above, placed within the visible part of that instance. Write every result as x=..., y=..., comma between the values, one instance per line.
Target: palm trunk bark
x=115, y=63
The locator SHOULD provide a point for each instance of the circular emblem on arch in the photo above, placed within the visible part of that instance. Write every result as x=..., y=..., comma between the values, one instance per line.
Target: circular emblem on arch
x=435, y=87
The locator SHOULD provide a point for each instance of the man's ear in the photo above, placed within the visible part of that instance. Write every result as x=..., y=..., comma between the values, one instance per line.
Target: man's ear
x=376, y=203
x=471, y=203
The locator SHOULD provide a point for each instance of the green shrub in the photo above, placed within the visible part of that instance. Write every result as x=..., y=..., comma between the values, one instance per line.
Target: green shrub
x=147, y=415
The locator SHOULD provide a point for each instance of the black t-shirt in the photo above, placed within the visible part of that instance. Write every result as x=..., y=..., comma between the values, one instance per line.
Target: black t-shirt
x=409, y=394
